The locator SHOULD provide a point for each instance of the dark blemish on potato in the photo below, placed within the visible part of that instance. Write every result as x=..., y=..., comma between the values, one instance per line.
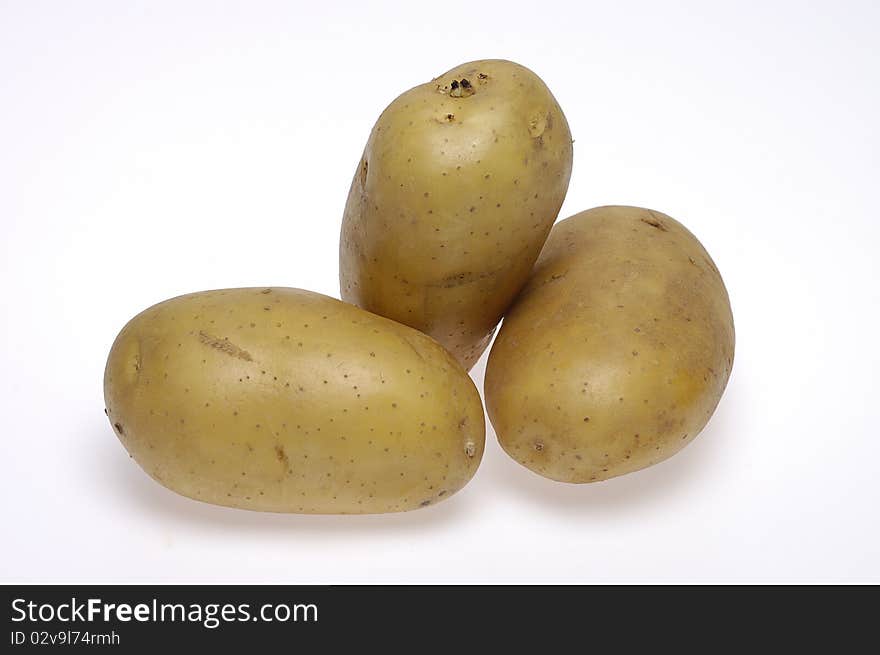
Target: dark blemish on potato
x=586, y=419
x=654, y=222
x=224, y=346
x=106, y=413
x=425, y=503
x=266, y=291
x=118, y=427
x=539, y=446
x=461, y=279
x=462, y=89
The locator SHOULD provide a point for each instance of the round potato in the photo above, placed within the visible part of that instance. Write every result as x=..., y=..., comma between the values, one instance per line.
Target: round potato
x=456, y=191
x=284, y=400
x=617, y=351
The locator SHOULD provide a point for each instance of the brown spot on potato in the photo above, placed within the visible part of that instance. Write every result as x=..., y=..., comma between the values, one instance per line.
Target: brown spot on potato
x=460, y=89
x=282, y=457
x=224, y=346
x=463, y=278
x=537, y=125
x=654, y=222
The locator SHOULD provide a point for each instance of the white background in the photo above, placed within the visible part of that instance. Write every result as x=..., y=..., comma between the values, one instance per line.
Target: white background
x=154, y=149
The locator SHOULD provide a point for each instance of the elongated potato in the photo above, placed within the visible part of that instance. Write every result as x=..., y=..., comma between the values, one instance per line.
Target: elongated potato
x=617, y=351
x=456, y=191
x=284, y=400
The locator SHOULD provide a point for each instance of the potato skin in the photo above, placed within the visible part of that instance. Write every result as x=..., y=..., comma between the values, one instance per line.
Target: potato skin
x=284, y=400
x=617, y=351
x=452, y=201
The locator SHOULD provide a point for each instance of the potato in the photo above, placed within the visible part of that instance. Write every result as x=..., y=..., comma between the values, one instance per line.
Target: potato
x=284, y=400
x=456, y=191
x=617, y=351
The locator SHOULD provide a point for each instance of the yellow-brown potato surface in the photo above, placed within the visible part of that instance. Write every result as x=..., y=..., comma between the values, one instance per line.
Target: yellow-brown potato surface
x=453, y=198
x=285, y=400
x=617, y=351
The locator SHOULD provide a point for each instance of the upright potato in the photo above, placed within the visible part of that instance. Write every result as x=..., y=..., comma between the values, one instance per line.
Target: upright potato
x=616, y=352
x=458, y=186
x=284, y=400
